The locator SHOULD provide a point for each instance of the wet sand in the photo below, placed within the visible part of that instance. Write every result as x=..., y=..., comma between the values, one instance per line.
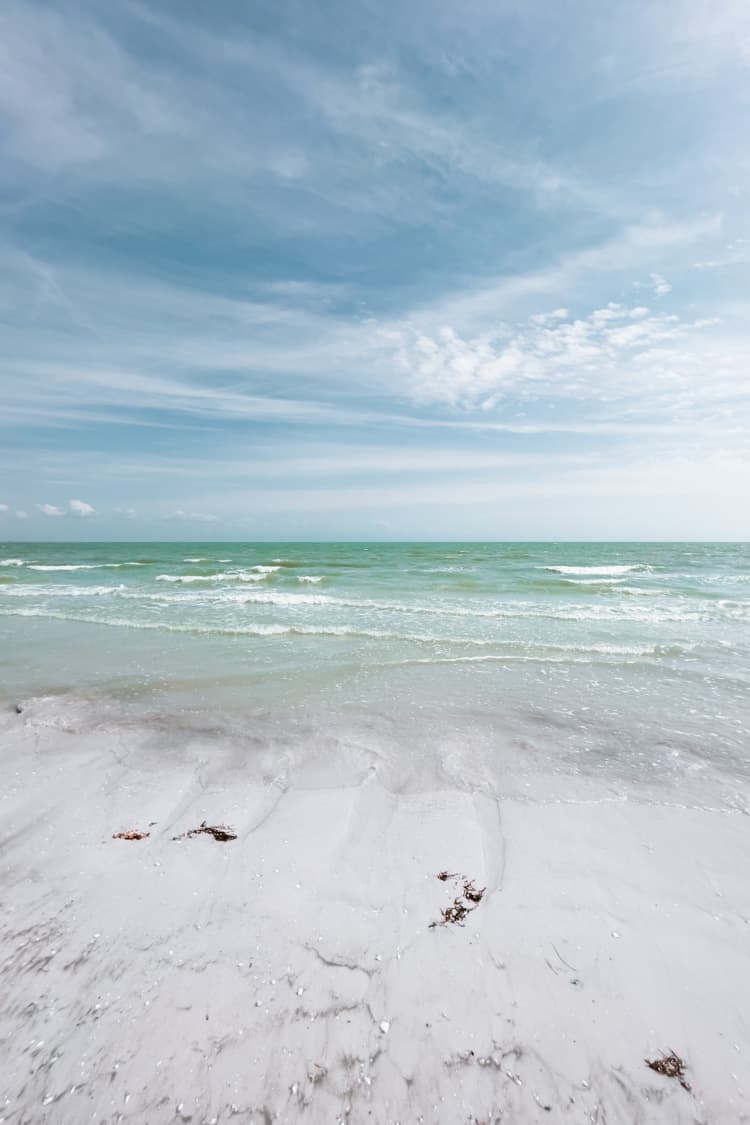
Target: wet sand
x=294, y=973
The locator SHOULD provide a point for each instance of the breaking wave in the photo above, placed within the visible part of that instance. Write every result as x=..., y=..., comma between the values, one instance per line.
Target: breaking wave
x=598, y=570
x=229, y=576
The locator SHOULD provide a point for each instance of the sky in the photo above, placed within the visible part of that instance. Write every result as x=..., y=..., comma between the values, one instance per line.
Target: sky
x=359, y=269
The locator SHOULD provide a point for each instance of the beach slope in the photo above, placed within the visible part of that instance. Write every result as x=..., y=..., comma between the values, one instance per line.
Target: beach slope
x=305, y=971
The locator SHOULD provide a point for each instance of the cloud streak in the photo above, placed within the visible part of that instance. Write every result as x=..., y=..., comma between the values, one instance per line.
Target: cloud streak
x=252, y=264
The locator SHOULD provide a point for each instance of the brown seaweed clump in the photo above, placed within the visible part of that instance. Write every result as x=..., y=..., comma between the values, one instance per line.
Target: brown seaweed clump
x=472, y=893
x=131, y=834
x=458, y=911
x=671, y=1066
x=219, y=832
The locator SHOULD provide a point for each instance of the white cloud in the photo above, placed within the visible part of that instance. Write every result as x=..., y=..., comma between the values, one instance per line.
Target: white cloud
x=656, y=283
x=3, y=507
x=129, y=513
x=75, y=507
x=614, y=355
x=659, y=285
x=22, y=515
x=548, y=318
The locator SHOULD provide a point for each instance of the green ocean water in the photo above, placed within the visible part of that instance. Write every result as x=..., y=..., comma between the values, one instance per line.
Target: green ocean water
x=626, y=653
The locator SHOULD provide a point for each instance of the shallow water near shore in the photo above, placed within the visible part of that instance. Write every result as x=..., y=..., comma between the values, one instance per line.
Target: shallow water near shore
x=625, y=662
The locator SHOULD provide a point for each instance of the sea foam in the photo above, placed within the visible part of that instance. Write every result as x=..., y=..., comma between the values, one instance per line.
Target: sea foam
x=598, y=570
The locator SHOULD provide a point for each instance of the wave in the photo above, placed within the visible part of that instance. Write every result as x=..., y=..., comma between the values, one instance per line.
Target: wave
x=250, y=629
x=82, y=566
x=508, y=650
x=27, y=591
x=314, y=579
x=11, y=562
x=567, y=612
x=594, y=581
x=557, y=654
x=229, y=576
x=699, y=578
x=66, y=566
x=609, y=612
x=598, y=570
x=266, y=569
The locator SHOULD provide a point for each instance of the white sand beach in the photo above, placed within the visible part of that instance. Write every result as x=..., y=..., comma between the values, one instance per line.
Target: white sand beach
x=293, y=974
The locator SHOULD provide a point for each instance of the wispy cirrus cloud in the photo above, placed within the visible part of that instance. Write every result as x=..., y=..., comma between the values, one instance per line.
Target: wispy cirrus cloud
x=253, y=264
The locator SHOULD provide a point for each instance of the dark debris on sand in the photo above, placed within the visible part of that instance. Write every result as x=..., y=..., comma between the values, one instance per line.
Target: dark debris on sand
x=472, y=893
x=131, y=834
x=457, y=912
x=219, y=832
x=671, y=1066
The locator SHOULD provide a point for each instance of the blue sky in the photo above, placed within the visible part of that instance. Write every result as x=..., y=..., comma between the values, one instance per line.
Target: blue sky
x=374, y=270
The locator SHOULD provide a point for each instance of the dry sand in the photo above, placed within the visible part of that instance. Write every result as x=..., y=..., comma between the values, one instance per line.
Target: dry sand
x=293, y=974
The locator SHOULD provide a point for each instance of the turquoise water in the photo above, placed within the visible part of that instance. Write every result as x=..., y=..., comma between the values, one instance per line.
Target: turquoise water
x=587, y=653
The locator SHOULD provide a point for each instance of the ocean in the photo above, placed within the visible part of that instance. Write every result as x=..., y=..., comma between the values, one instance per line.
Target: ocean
x=521, y=665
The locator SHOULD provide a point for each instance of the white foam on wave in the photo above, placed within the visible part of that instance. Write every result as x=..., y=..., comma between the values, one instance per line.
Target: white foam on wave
x=553, y=656
x=632, y=611
x=279, y=598
x=570, y=611
x=11, y=562
x=522, y=650
x=229, y=576
x=66, y=566
x=313, y=579
x=597, y=570
x=63, y=591
x=251, y=629
x=699, y=578
x=266, y=569
x=82, y=566
x=594, y=581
